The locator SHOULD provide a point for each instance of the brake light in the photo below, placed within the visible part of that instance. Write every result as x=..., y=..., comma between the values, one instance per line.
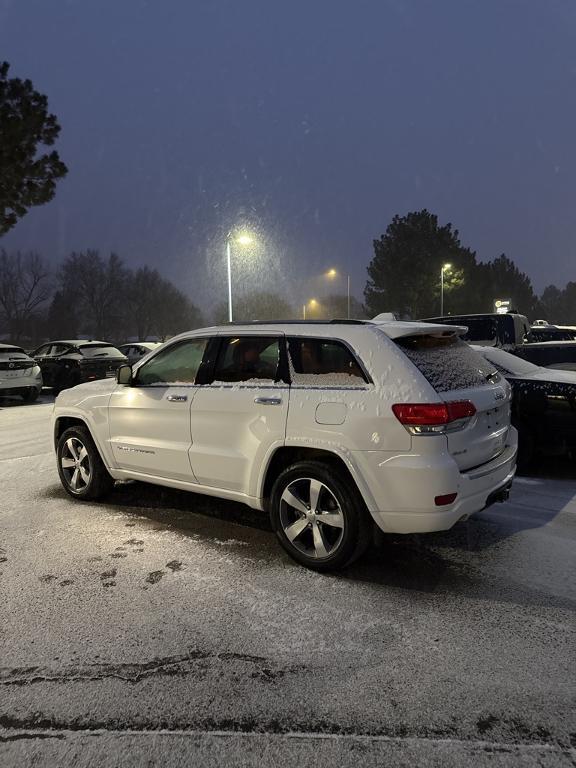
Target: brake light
x=420, y=418
x=442, y=501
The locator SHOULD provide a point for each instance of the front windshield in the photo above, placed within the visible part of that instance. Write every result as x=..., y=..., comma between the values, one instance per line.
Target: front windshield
x=508, y=363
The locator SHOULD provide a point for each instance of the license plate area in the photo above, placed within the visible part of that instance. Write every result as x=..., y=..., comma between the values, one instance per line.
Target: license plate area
x=497, y=418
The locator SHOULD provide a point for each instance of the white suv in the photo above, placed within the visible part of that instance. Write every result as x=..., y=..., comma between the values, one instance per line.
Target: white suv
x=328, y=426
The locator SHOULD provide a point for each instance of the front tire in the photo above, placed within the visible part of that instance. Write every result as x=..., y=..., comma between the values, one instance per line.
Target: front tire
x=319, y=516
x=82, y=471
x=30, y=395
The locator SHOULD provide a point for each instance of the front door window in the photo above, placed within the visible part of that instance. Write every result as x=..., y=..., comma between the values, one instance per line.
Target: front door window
x=177, y=365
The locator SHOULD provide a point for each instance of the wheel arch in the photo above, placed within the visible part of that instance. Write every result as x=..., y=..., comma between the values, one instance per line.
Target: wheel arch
x=286, y=455
x=64, y=422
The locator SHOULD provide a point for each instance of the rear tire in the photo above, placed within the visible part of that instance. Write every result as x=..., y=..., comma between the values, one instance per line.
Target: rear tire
x=319, y=516
x=82, y=471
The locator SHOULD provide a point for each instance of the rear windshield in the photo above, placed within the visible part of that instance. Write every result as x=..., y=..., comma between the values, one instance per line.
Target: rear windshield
x=104, y=350
x=448, y=362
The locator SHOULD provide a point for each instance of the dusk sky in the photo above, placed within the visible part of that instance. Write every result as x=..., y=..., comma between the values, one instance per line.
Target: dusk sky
x=316, y=120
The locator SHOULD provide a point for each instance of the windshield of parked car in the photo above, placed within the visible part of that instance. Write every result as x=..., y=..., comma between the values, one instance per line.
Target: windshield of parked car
x=507, y=363
x=103, y=350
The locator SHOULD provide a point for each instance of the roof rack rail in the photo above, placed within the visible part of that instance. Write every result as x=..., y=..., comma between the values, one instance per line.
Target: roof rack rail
x=348, y=322
x=298, y=322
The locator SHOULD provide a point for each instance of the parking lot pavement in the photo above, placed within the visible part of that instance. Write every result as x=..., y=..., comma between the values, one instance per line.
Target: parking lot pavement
x=159, y=625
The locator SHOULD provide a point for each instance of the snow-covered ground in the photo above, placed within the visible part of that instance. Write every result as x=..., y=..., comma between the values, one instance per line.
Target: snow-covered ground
x=160, y=625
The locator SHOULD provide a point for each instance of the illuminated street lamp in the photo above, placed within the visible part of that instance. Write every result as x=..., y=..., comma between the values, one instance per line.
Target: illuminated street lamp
x=243, y=238
x=333, y=273
x=312, y=304
x=444, y=268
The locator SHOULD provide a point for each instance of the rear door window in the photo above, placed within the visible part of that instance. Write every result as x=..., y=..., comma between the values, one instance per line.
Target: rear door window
x=448, y=362
x=248, y=359
x=323, y=362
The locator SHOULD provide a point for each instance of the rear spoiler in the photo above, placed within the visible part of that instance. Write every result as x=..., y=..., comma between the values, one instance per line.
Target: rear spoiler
x=400, y=329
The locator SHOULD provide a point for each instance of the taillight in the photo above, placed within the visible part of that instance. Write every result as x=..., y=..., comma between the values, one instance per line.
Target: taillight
x=447, y=498
x=431, y=418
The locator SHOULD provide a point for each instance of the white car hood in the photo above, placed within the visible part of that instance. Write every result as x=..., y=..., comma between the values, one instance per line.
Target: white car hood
x=80, y=391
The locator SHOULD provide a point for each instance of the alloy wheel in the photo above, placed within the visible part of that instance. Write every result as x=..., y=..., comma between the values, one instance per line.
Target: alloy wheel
x=75, y=463
x=311, y=518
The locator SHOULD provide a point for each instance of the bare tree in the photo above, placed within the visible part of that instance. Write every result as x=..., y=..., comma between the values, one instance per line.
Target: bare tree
x=25, y=285
x=156, y=307
x=94, y=287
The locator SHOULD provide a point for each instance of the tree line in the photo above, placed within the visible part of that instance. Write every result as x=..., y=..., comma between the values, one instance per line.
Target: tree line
x=404, y=276
x=88, y=295
x=100, y=297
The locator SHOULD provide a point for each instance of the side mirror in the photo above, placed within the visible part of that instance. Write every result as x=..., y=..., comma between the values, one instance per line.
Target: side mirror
x=124, y=375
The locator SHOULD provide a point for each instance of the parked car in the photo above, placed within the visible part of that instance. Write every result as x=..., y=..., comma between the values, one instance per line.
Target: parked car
x=137, y=350
x=550, y=333
x=543, y=405
x=507, y=330
x=67, y=363
x=550, y=354
x=511, y=332
x=19, y=373
x=329, y=426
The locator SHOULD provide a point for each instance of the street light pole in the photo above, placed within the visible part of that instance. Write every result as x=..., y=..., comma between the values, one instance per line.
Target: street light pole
x=334, y=273
x=229, y=279
x=303, y=311
x=348, y=295
x=442, y=291
x=444, y=266
x=243, y=238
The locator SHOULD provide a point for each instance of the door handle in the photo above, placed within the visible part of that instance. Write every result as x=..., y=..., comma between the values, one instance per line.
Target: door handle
x=177, y=398
x=268, y=400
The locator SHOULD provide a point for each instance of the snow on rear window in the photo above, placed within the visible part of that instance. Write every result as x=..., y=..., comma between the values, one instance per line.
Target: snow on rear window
x=448, y=362
x=326, y=380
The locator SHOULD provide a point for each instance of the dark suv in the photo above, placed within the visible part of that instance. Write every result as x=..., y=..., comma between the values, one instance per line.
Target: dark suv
x=67, y=363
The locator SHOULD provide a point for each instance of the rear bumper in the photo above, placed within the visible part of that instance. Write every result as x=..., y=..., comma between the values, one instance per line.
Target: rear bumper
x=20, y=386
x=404, y=488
